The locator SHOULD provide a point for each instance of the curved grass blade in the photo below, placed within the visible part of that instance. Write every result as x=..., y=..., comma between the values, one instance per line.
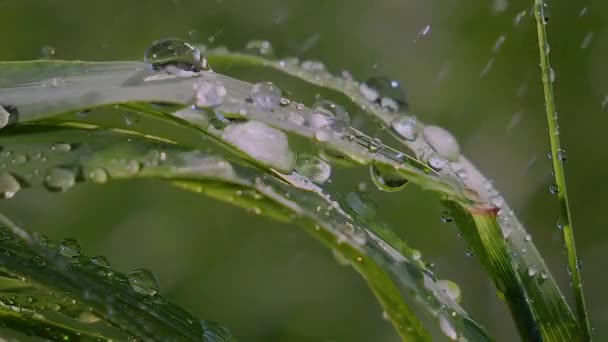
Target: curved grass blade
x=277, y=196
x=538, y=306
x=47, y=294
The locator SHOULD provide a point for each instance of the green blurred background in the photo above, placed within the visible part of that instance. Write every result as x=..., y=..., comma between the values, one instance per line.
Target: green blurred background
x=271, y=282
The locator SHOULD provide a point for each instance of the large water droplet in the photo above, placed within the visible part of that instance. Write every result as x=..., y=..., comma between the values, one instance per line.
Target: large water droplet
x=209, y=93
x=175, y=53
x=387, y=178
x=406, y=126
x=69, y=248
x=5, y=117
x=264, y=143
x=100, y=261
x=443, y=142
x=59, y=179
x=97, y=175
x=362, y=204
x=9, y=185
x=562, y=156
x=314, y=168
x=451, y=289
x=328, y=119
x=259, y=47
x=385, y=92
x=143, y=282
x=266, y=95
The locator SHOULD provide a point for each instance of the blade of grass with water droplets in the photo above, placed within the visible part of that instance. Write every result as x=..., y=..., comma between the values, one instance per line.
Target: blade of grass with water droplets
x=546, y=306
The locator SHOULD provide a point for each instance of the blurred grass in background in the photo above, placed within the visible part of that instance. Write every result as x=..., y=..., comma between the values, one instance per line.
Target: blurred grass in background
x=271, y=282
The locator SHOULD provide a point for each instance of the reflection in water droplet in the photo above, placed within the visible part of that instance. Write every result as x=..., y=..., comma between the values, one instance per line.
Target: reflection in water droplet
x=175, y=53
x=9, y=185
x=209, y=93
x=385, y=92
x=61, y=147
x=436, y=162
x=97, y=175
x=451, y=289
x=59, y=179
x=100, y=261
x=69, y=248
x=387, y=178
x=443, y=142
x=266, y=95
x=5, y=117
x=143, y=282
x=47, y=51
x=314, y=168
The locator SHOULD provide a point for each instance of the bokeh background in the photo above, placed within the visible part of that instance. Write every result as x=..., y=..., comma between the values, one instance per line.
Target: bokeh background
x=268, y=281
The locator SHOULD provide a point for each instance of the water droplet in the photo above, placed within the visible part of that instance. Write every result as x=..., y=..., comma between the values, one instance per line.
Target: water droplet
x=61, y=147
x=262, y=142
x=560, y=225
x=5, y=117
x=528, y=238
x=551, y=75
x=545, y=13
x=324, y=121
x=361, y=204
x=266, y=95
x=209, y=93
x=175, y=53
x=562, y=156
x=579, y=264
x=100, y=261
x=47, y=51
x=386, y=92
x=69, y=248
x=554, y=189
x=436, y=162
x=447, y=328
x=451, y=289
x=387, y=178
x=498, y=43
x=97, y=175
x=313, y=66
x=313, y=168
x=9, y=185
x=446, y=217
x=336, y=110
x=518, y=17
x=143, y=282
x=406, y=126
x=587, y=40
x=443, y=142
x=532, y=270
x=259, y=47
x=59, y=179
x=423, y=32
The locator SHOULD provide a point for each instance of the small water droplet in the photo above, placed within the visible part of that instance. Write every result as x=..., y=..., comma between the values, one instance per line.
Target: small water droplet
x=450, y=288
x=551, y=75
x=70, y=248
x=406, y=126
x=425, y=31
x=519, y=17
x=553, y=189
x=59, y=179
x=443, y=142
x=266, y=95
x=498, y=43
x=528, y=238
x=313, y=168
x=175, y=53
x=559, y=225
x=9, y=185
x=532, y=270
x=5, y=117
x=313, y=66
x=100, y=261
x=387, y=178
x=209, y=93
x=436, y=162
x=143, y=282
x=361, y=204
x=97, y=175
x=579, y=264
x=446, y=217
x=386, y=92
x=587, y=40
x=47, y=51
x=259, y=47
x=562, y=156
x=61, y=147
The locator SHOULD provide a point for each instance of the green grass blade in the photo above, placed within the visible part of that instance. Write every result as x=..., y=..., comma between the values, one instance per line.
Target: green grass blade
x=50, y=295
x=558, y=158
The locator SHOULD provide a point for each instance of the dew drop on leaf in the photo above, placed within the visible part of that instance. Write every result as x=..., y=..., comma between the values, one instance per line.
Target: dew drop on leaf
x=69, y=248
x=451, y=289
x=436, y=162
x=386, y=92
x=562, y=156
x=143, y=282
x=266, y=95
x=9, y=185
x=443, y=142
x=387, y=178
x=100, y=261
x=314, y=168
x=97, y=175
x=209, y=93
x=61, y=147
x=59, y=179
x=176, y=53
x=406, y=126
x=5, y=117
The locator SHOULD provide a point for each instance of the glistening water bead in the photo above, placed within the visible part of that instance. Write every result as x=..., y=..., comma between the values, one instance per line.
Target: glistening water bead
x=9, y=185
x=386, y=92
x=143, y=282
x=266, y=95
x=387, y=178
x=177, y=53
x=69, y=248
